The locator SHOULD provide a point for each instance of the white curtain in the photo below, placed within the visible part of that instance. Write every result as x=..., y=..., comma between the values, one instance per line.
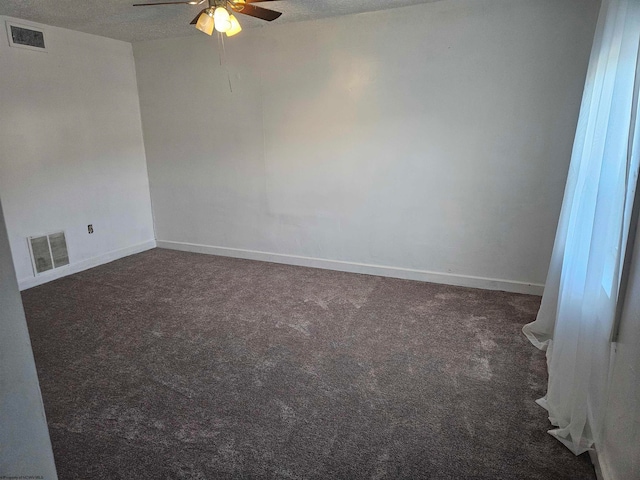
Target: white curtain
x=578, y=307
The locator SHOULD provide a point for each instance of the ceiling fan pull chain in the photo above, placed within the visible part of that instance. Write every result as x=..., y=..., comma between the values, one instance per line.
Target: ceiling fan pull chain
x=226, y=65
x=224, y=50
x=219, y=47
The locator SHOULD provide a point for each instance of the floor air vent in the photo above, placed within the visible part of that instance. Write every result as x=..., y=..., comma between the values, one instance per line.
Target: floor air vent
x=48, y=252
x=25, y=36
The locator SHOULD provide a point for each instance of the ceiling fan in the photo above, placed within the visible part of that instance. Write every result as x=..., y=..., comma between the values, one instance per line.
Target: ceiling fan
x=217, y=15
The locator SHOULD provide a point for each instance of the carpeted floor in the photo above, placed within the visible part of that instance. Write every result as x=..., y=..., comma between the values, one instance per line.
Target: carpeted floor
x=171, y=365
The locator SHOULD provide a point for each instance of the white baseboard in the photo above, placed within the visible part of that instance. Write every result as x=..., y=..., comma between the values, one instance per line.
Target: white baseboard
x=593, y=456
x=354, y=267
x=84, y=265
x=603, y=472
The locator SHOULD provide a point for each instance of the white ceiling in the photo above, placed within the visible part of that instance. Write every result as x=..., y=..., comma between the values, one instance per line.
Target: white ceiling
x=120, y=20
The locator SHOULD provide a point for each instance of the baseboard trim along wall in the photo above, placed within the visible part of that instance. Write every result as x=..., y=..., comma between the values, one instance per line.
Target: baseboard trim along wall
x=602, y=470
x=353, y=267
x=84, y=265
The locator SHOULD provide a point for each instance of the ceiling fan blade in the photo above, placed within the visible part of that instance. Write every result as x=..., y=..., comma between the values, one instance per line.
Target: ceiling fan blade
x=195, y=20
x=257, y=12
x=167, y=3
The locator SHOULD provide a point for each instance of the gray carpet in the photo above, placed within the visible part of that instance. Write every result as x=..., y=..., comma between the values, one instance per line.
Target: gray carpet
x=171, y=365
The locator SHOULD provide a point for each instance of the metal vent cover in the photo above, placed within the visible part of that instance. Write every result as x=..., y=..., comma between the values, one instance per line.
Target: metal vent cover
x=25, y=36
x=48, y=252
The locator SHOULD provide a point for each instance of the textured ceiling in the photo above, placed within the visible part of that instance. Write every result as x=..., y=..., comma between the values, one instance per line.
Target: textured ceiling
x=120, y=20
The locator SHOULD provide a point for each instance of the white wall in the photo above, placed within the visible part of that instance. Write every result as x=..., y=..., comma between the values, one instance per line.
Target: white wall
x=433, y=139
x=25, y=448
x=71, y=149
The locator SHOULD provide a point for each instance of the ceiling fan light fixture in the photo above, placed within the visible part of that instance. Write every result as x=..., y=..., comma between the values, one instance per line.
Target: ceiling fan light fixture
x=206, y=22
x=221, y=19
x=235, y=26
x=217, y=17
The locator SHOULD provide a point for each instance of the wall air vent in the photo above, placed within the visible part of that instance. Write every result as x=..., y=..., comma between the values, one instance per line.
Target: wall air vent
x=48, y=252
x=24, y=36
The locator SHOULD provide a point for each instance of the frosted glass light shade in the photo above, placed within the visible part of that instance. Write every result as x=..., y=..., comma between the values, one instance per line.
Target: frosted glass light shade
x=205, y=23
x=221, y=19
x=235, y=26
